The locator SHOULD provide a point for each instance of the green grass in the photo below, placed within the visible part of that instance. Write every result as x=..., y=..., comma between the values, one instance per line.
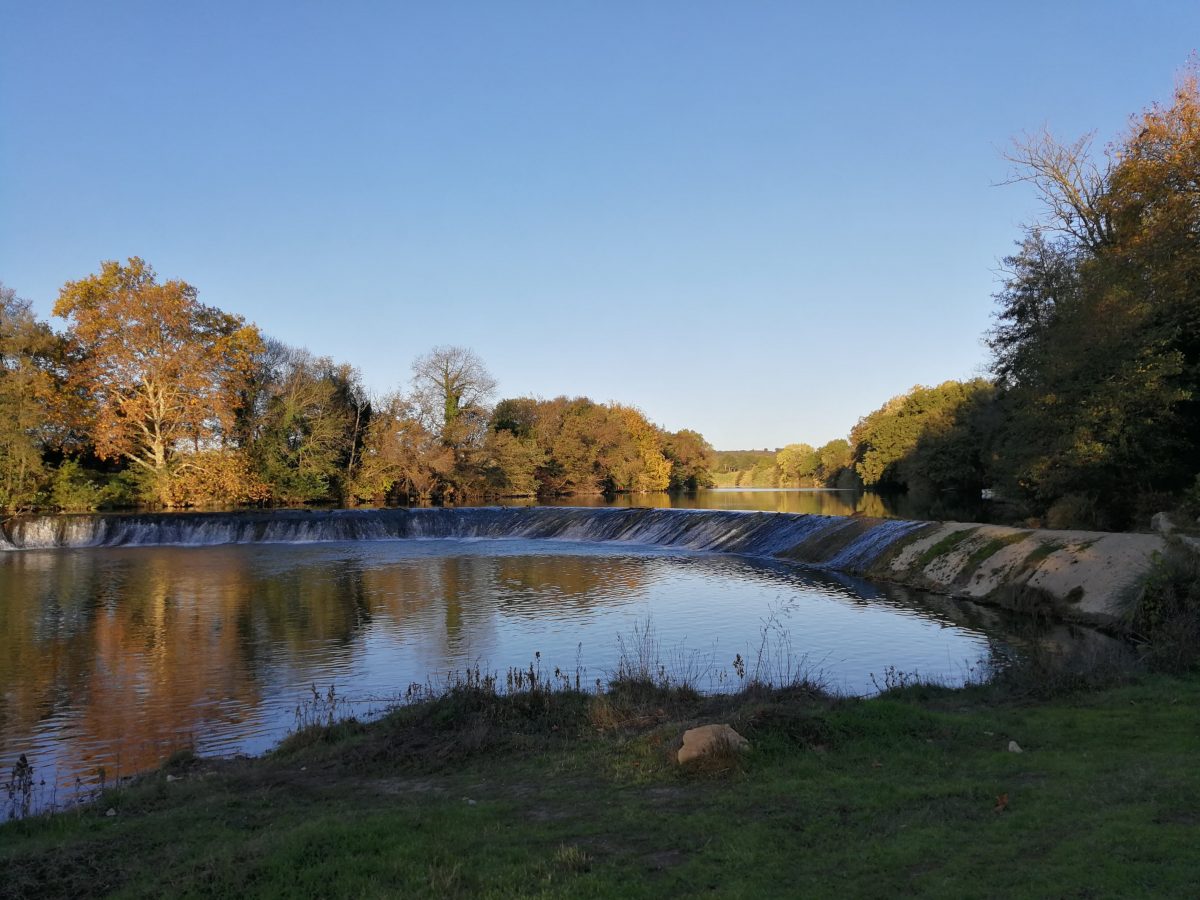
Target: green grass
x=570, y=795
x=945, y=545
x=1042, y=551
x=989, y=549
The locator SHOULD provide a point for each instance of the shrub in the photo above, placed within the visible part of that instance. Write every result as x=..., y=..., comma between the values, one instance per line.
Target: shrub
x=74, y=488
x=1166, y=617
x=1073, y=511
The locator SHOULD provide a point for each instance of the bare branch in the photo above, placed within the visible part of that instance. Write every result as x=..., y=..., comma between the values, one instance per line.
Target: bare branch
x=1070, y=183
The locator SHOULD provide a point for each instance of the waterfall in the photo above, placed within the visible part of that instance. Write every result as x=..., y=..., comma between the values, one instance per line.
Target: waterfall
x=812, y=539
x=860, y=554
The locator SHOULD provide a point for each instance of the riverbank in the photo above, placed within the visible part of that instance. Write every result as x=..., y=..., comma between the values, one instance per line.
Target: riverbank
x=1089, y=577
x=568, y=794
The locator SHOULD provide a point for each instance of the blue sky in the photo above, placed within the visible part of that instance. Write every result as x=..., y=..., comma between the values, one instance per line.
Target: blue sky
x=758, y=220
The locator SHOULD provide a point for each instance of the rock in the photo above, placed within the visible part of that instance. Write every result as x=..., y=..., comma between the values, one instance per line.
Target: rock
x=111, y=812
x=708, y=739
x=1014, y=747
x=1161, y=522
x=171, y=778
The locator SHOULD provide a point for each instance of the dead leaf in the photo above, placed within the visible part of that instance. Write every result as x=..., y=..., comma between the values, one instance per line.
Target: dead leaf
x=1001, y=803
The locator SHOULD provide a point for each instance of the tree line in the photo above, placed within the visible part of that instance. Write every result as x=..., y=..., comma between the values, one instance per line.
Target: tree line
x=150, y=397
x=1091, y=416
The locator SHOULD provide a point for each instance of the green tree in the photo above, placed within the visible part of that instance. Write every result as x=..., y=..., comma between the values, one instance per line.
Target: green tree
x=310, y=415
x=797, y=464
x=518, y=415
x=833, y=459
x=1097, y=342
x=886, y=440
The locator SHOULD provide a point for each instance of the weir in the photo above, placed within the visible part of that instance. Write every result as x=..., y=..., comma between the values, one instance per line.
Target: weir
x=723, y=531
x=1083, y=576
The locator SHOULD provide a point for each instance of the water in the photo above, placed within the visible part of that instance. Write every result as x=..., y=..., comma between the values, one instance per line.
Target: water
x=115, y=657
x=854, y=543
x=812, y=501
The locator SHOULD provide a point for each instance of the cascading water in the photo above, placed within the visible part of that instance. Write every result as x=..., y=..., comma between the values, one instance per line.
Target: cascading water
x=860, y=554
x=824, y=541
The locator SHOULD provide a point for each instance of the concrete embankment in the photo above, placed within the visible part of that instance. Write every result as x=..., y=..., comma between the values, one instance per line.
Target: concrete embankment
x=1082, y=576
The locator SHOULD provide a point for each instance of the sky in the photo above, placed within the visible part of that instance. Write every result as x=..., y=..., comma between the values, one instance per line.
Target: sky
x=756, y=220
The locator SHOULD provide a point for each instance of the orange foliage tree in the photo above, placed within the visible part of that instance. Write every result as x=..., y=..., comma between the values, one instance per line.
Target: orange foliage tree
x=159, y=373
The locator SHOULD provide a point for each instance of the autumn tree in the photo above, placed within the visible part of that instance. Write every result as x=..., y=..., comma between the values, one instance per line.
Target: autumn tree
x=581, y=438
x=692, y=459
x=161, y=373
x=645, y=467
x=511, y=464
x=30, y=361
x=400, y=457
x=1097, y=341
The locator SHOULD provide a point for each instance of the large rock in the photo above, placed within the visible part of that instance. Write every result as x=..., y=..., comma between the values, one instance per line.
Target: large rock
x=707, y=739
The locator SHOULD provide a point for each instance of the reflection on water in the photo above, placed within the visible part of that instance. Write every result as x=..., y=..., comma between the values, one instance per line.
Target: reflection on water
x=115, y=657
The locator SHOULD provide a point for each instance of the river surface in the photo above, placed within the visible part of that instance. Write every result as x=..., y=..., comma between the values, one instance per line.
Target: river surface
x=114, y=657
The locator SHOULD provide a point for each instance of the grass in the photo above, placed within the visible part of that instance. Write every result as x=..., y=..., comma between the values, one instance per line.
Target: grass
x=944, y=546
x=989, y=549
x=558, y=792
x=1042, y=551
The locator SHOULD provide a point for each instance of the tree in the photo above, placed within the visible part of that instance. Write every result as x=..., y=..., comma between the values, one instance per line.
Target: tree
x=645, y=467
x=511, y=464
x=518, y=415
x=159, y=370
x=1097, y=342
x=1073, y=187
x=310, y=415
x=834, y=458
x=400, y=455
x=451, y=387
x=30, y=356
x=692, y=460
x=1041, y=279
x=796, y=463
x=886, y=439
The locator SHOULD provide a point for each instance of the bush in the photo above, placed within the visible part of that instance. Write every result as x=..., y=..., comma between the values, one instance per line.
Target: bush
x=1073, y=511
x=1190, y=505
x=75, y=489
x=1166, y=617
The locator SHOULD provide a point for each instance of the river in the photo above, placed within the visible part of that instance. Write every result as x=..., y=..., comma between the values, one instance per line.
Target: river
x=114, y=657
